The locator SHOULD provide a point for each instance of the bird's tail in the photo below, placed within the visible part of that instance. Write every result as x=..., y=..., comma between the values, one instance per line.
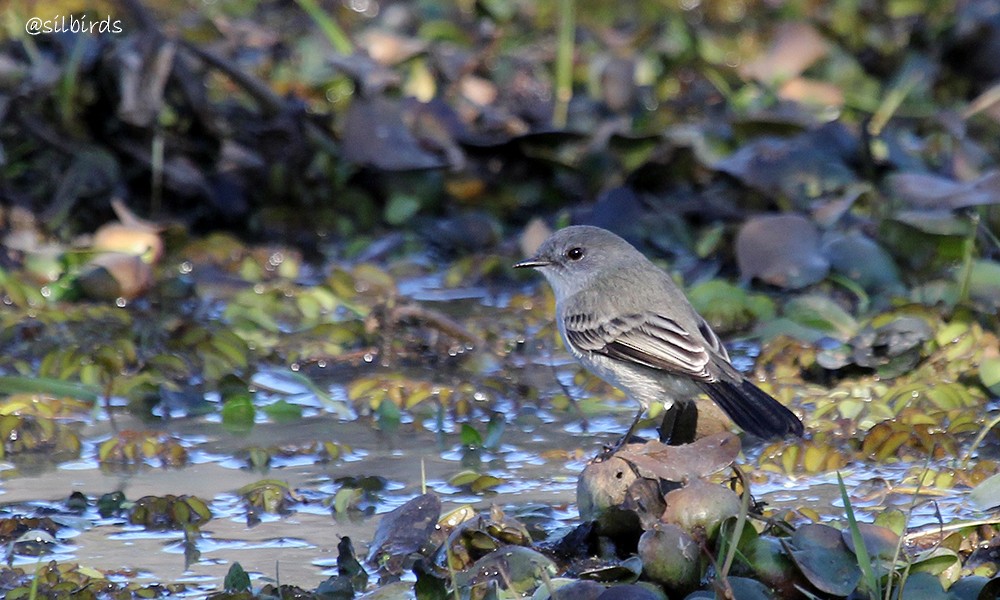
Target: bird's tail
x=752, y=409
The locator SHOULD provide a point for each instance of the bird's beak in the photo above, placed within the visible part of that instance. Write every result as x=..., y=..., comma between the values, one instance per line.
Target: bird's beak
x=533, y=263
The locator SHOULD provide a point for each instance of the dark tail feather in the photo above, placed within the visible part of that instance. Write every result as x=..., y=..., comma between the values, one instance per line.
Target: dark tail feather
x=752, y=409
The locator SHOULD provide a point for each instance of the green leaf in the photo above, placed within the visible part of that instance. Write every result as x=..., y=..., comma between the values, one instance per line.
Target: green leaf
x=860, y=550
x=935, y=561
x=110, y=503
x=989, y=374
x=329, y=26
x=470, y=437
x=984, y=280
x=388, y=416
x=238, y=413
x=862, y=260
x=485, y=482
x=494, y=430
x=428, y=586
x=231, y=347
x=709, y=240
x=822, y=313
x=463, y=478
x=346, y=498
x=987, y=494
x=342, y=409
x=283, y=411
x=401, y=209
x=236, y=579
x=934, y=222
x=892, y=519
x=500, y=10
x=727, y=307
x=772, y=329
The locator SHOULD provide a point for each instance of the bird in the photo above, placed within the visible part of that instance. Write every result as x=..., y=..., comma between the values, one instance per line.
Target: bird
x=626, y=321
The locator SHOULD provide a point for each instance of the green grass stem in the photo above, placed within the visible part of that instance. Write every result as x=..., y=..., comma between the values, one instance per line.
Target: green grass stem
x=333, y=31
x=860, y=550
x=741, y=520
x=564, y=62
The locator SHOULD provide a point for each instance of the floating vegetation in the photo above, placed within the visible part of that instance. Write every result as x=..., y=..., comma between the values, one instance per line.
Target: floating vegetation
x=132, y=448
x=30, y=434
x=169, y=512
x=71, y=580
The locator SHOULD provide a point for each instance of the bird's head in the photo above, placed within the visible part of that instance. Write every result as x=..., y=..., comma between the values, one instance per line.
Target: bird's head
x=571, y=257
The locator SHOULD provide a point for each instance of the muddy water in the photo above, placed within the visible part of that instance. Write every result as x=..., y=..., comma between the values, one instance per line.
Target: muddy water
x=300, y=547
x=539, y=458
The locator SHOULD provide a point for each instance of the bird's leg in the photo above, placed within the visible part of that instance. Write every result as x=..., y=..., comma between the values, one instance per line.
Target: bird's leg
x=680, y=424
x=631, y=428
x=669, y=423
x=609, y=452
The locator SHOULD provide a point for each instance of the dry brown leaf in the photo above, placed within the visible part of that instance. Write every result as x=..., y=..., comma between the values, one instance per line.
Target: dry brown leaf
x=794, y=48
x=702, y=457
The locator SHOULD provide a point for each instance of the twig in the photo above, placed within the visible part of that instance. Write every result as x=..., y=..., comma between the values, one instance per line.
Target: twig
x=435, y=319
x=941, y=528
x=347, y=357
x=584, y=422
x=271, y=103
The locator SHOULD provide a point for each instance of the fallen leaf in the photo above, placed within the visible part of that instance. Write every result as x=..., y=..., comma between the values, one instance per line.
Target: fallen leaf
x=783, y=250
x=403, y=531
x=704, y=456
x=796, y=46
x=922, y=190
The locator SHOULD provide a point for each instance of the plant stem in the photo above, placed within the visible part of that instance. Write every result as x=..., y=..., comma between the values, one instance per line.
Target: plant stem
x=68, y=83
x=979, y=440
x=860, y=550
x=892, y=101
x=741, y=520
x=902, y=537
x=564, y=62
x=967, y=249
x=334, y=32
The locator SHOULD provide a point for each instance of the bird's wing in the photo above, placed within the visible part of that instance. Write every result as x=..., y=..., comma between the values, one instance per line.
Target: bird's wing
x=713, y=340
x=647, y=339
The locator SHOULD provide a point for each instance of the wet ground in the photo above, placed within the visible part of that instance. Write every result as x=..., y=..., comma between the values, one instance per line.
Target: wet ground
x=303, y=544
x=541, y=454
x=543, y=447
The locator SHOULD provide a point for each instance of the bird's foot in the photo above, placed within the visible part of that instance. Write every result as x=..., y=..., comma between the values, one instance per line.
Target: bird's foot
x=606, y=454
x=610, y=451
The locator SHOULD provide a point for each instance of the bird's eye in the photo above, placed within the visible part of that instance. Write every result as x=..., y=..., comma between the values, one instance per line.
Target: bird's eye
x=574, y=253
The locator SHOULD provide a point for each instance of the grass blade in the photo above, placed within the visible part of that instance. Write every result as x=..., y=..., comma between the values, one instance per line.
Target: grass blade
x=20, y=384
x=860, y=550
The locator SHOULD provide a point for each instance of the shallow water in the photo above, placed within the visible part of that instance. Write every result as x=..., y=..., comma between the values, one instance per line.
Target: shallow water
x=540, y=454
x=302, y=547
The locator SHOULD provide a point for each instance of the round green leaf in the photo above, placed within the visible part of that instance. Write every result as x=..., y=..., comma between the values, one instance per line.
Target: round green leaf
x=401, y=208
x=989, y=374
x=238, y=413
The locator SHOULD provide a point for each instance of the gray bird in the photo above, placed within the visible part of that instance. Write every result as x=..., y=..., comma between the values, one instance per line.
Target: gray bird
x=626, y=321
